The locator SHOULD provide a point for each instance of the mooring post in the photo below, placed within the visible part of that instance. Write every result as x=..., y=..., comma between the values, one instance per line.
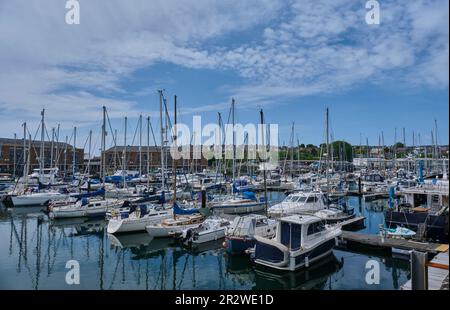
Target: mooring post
x=419, y=272
x=203, y=197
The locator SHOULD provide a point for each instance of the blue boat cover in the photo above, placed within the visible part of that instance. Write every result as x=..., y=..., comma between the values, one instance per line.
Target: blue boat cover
x=249, y=195
x=99, y=192
x=178, y=210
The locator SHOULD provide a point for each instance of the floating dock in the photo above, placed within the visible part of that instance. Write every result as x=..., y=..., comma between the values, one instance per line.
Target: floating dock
x=437, y=273
x=354, y=222
x=388, y=243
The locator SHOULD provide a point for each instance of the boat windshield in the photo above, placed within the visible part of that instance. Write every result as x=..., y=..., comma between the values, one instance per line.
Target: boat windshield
x=295, y=199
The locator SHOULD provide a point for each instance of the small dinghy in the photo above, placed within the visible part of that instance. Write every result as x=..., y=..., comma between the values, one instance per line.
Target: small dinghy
x=400, y=232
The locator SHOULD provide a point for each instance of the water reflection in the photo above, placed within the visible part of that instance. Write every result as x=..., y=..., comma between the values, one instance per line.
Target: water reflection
x=34, y=251
x=316, y=277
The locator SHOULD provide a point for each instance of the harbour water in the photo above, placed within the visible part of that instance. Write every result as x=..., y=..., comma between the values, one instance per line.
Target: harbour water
x=34, y=252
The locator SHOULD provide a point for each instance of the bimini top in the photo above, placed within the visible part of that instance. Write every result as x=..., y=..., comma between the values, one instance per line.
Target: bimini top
x=300, y=219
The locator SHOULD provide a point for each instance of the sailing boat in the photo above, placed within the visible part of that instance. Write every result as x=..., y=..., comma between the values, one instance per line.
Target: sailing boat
x=182, y=218
x=29, y=197
x=332, y=213
x=245, y=202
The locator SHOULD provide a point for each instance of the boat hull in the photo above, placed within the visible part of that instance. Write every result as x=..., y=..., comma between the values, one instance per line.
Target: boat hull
x=127, y=225
x=294, y=260
x=159, y=231
x=35, y=200
x=209, y=236
x=239, y=209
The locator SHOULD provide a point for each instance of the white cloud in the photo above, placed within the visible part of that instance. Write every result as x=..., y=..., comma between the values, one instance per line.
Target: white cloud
x=298, y=48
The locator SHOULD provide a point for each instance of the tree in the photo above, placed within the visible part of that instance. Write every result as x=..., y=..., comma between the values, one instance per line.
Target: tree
x=342, y=150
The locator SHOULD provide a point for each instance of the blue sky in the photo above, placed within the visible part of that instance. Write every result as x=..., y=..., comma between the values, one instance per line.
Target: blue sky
x=292, y=58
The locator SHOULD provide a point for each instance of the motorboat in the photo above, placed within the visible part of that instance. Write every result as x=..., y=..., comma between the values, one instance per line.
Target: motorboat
x=237, y=204
x=137, y=218
x=240, y=235
x=85, y=208
x=300, y=241
x=211, y=229
x=299, y=203
x=336, y=213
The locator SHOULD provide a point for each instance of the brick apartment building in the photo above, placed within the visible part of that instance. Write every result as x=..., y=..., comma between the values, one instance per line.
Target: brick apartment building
x=62, y=156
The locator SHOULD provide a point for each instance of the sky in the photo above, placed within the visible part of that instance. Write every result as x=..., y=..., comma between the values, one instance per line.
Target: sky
x=292, y=58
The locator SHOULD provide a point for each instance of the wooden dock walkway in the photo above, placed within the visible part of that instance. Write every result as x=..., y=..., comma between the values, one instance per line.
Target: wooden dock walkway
x=356, y=221
x=437, y=274
x=377, y=241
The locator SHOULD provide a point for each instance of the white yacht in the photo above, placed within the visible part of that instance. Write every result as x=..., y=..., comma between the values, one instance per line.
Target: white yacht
x=172, y=226
x=299, y=203
x=85, y=208
x=137, y=219
x=37, y=199
x=300, y=240
x=234, y=204
x=211, y=229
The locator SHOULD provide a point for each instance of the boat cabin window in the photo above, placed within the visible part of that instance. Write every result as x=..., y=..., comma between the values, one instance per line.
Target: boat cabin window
x=315, y=228
x=291, y=235
x=311, y=199
x=296, y=236
x=261, y=222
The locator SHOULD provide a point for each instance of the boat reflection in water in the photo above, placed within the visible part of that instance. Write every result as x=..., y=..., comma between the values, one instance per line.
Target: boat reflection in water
x=80, y=226
x=315, y=277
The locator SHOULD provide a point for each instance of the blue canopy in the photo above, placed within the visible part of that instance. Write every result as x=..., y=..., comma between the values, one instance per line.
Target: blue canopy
x=99, y=192
x=249, y=195
x=179, y=211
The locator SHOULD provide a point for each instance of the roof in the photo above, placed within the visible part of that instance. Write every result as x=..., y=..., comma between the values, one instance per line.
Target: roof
x=300, y=219
x=35, y=143
x=121, y=148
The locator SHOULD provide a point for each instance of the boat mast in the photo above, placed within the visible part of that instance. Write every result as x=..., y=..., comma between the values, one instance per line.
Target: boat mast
x=57, y=147
x=24, y=148
x=65, y=156
x=89, y=155
x=103, y=156
x=14, y=155
x=140, y=145
x=261, y=113
x=124, y=164
x=162, y=137
x=148, y=152
x=74, y=150
x=395, y=149
x=42, y=154
x=328, y=156
x=28, y=162
x=174, y=161
x=234, y=141
x=52, y=145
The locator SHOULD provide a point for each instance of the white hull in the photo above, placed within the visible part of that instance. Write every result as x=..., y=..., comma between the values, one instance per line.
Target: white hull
x=36, y=199
x=211, y=235
x=239, y=208
x=66, y=212
x=159, y=231
x=131, y=225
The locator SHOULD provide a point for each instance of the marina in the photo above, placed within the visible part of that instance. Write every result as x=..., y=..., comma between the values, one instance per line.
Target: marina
x=261, y=219
x=220, y=146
